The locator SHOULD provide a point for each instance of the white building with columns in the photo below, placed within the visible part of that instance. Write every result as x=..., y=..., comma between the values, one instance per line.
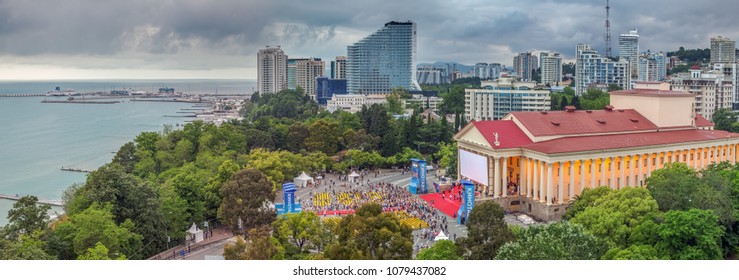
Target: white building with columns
x=538, y=162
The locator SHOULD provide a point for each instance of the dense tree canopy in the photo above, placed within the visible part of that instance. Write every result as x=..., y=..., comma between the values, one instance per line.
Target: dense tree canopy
x=557, y=241
x=371, y=234
x=487, y=232
x=245, y=201
x=440, y=250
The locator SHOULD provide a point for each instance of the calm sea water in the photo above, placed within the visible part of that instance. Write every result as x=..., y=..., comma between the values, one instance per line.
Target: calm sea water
x=37, y=139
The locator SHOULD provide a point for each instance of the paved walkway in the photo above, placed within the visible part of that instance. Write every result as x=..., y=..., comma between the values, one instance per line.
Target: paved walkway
x=183, y=251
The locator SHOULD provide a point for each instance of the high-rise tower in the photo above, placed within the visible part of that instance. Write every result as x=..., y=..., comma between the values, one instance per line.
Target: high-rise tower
x=271, y=70
x=383, y=60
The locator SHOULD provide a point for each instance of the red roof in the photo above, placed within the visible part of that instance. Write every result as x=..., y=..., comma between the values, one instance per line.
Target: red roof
x=509, y=135
x=583, y=122
x=620, y=141
x=700, y=121
x=695, y=67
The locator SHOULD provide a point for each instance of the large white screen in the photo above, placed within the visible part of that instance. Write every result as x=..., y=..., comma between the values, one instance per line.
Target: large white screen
x=473, y=166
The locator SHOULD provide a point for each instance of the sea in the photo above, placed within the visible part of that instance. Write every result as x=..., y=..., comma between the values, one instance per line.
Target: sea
x=38, y=139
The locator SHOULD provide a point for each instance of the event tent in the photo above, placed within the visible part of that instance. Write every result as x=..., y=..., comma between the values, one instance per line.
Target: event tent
x=353, y=176
x=302, y=180
x=441, y=236
x=195, y=234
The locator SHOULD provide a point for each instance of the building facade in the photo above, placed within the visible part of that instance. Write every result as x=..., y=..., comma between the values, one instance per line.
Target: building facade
x=307, y=71
x=431, y=75
x=425, y=102
x=383, y=60
x=723, y=50
x=538, y=162
x=712, y=89
x=524, y=64
x=592, y=70
x=482, y=71
x=628, y=49
x=338, y=68
x=271, y=70
x=498, y=98
x=652, y=67
x=353, y=103
x=292, y=72
x=551, y=68
x=326, y=88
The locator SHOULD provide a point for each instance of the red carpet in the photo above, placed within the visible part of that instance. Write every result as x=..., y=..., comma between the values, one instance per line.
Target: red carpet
x=447, y=206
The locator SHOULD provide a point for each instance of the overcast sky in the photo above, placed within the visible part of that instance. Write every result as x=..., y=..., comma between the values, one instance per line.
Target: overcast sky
x=95, y=39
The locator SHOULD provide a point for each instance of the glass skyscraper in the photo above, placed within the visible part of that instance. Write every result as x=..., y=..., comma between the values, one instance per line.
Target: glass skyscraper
x=383, y=60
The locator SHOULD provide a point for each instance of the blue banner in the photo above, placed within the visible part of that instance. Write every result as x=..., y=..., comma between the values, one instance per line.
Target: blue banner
x=418, y=177
x=468, y=203
x=288, y=195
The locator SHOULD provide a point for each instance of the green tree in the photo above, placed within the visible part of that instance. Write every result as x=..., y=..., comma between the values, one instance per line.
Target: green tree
x=633, y=252
x=25, y=247
x=614, y=87
x=586, y=199
x=296, y=136
x=594, y=99
x=558, y=241
x=26, y=216
x=724, y=119
x=487, y=232
x=126, y=157
x=324, y=137
x=296, y=232
x=99, y=252
x=260, y=245
x=129, y=199
x=621, y=218
x=245, y=198
x=690, y=235
x=440, y=250
x=95, y=224
x=394, y=104
x=371, y=234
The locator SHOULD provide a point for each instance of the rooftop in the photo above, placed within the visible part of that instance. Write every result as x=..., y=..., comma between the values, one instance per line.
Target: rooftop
x=622, y=141
x=509, y=135
x=583, y=122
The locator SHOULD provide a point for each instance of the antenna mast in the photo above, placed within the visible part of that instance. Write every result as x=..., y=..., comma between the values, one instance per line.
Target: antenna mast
x=608, y=30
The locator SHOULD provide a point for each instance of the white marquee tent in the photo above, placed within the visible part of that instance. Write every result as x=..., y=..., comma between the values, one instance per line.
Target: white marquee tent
x=302, y=180
x=195, y=234
x=441, y=236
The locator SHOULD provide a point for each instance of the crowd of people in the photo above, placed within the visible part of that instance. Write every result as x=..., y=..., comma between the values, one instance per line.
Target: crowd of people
x=329, y=196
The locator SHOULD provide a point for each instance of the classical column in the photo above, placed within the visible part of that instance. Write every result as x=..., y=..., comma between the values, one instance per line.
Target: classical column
x=602, y=171
x=504, y=176
x=561, y=185
x=592, y=173
x=694, y=156
x=542, y=183
x=496, y=178
x=649, y=165
x=732, y=153
x=571, y=187
x=613, y=174
x=530, y=174
x=521, y=176
x=704, y=158
x=639, y=171
x=582, y=175
x=622, y=180
x=535, y=188
x=632, y=165
x=550, y=184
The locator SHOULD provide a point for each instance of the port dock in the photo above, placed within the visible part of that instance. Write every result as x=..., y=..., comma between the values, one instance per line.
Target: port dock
x=40, y=201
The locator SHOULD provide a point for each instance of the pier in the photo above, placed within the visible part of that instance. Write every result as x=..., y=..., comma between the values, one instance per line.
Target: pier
x=40, y=201
x=23, y=95
x=75, y=169
x=79, y=102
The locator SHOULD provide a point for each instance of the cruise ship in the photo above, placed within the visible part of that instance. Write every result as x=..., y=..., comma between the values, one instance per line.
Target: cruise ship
x=66, y=92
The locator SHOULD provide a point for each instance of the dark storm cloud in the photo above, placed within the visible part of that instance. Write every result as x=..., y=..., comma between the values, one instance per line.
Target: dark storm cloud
x=192, y=31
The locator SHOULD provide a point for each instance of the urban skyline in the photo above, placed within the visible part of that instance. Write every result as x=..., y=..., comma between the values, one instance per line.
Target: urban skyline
x=195, y=39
